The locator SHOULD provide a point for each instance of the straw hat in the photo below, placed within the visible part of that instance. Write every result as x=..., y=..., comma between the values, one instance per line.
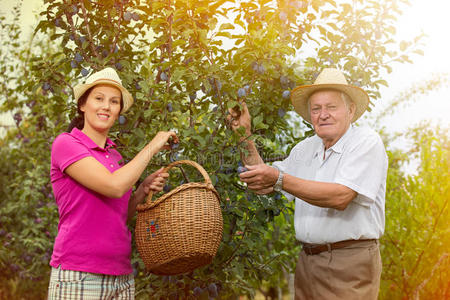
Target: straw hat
x=105, y=76
x=334, y=79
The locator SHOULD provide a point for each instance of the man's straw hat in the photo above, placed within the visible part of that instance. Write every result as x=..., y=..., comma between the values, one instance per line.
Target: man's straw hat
x=333, y=79
x=106, y=76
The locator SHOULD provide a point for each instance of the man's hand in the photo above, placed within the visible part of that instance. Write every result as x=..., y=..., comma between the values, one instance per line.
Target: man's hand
x=260, y=178
x=264, y=191
x=240, y=117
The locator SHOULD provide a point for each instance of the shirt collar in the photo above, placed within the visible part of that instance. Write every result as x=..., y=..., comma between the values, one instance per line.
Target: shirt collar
x=80, y=135
x=338, y=147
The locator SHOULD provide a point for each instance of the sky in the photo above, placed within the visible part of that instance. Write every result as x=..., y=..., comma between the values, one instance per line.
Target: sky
x=427, y=16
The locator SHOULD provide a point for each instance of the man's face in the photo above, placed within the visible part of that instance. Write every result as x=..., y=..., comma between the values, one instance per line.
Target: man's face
x=330, y=115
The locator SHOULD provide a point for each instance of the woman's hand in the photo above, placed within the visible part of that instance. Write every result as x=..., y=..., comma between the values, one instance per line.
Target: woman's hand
x=161, y=139
x=154, y=181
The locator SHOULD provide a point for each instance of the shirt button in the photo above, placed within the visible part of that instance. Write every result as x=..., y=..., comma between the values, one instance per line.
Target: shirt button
x=111, y=165
x=107, y=156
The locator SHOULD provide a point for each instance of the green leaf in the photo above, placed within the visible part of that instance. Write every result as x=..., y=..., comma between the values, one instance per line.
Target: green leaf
x=226, y=26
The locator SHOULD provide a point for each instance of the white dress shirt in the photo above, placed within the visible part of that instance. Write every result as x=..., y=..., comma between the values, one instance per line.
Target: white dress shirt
x=358, y=160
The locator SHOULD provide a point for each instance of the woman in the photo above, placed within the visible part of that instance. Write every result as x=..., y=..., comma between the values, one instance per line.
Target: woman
x=91, y=255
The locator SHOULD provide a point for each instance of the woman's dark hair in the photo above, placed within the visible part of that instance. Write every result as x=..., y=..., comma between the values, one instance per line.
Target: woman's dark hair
x=78, y=121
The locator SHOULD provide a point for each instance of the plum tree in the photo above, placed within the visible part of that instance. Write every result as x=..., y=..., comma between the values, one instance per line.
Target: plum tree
x=185, y=63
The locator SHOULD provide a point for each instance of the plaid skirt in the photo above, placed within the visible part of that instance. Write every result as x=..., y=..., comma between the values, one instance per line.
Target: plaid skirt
x=67, y=284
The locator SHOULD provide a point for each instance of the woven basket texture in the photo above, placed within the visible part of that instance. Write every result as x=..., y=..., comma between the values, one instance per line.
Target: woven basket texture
x=181, y=230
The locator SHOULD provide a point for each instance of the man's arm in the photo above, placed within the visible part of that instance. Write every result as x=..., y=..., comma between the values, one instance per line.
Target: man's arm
x=260, y=178
x=324, y=194
x=252, y=156
x=239, y=119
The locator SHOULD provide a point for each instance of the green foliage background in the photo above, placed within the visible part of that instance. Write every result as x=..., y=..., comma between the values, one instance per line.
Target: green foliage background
x=185, y=62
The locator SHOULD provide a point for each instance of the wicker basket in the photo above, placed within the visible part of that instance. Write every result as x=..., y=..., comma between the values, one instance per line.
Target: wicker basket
x=181, y=230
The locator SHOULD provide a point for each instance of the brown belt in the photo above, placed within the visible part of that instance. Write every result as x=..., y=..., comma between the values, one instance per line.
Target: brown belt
x=313, y=249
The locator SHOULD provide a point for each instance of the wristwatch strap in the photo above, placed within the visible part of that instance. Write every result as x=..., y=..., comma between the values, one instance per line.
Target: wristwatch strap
x=278, y=186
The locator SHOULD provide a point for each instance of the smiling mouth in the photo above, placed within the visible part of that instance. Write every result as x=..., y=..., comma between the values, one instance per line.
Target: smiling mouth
x=103, y=116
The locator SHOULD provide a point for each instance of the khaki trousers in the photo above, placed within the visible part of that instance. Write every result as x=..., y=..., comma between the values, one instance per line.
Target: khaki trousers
x=348, y=273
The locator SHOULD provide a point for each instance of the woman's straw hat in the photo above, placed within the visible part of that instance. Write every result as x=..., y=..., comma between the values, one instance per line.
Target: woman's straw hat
x=333, y=79
x=105, y=76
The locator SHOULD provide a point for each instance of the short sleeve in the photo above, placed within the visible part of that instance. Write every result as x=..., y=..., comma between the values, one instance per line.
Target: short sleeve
x=66, y=150
x=363, y=168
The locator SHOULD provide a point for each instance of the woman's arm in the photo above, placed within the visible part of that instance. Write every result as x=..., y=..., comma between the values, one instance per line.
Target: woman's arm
x=93, y=175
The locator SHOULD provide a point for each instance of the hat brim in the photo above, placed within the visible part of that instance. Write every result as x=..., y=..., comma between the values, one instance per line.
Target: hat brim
x=301, y=94
x=127, y=99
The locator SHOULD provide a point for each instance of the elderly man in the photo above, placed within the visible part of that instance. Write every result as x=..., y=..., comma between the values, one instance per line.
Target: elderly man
x=338, y=180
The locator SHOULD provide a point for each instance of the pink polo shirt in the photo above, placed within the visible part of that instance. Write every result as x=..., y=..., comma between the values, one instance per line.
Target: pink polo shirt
x=92, y=232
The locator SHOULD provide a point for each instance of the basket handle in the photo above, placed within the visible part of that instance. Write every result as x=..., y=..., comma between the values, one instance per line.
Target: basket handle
x=202, y=171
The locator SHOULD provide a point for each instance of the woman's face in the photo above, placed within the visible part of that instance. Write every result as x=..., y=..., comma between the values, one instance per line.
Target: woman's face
x=102, y=107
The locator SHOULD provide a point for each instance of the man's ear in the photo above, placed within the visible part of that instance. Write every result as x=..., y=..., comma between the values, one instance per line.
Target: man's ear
x=352, y=110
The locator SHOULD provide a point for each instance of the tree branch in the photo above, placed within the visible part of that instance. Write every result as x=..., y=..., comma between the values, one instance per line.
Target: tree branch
x=424, y=282
x=91, y=41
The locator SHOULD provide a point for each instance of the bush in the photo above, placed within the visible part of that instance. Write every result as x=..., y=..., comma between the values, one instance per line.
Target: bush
x=415, y=245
